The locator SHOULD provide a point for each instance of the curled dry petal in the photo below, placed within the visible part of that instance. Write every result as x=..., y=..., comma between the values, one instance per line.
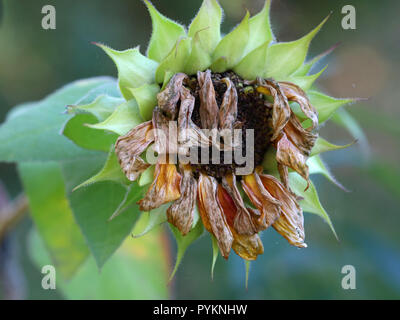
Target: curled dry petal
x=290, y=223
x=289, y=155
x=129, y=147
x=242, y=223
x=189, y=135
x=165, y=187
x=229, y=109
x=267, y=205
x=246, y=246
x=211, y=214
x=303, y=139
x=181, y=212
x=296, y=94
x=165, y=133
x=281, y=110
x=169, y=97
x=208, y=104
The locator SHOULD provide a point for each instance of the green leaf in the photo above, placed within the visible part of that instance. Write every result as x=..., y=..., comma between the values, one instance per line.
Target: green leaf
x=76, y=130
x=232, y=46
x=183, y=242
x=207, y=24
x=44, y=186
x=92, y=207
x=110, y=172
x=251, y=66
x=326, y=105
x=138, y=270
x=150, y=220
x=32, y=132
x=199, y=59
x=285, y=58
x=260, y=29
x=102, y=107
x=164, y=36
x=311, y=202
x=316, y=165
x=305, y=82
x=215, y=250
x=134, y=69
x=147, y=176
x=123, y=119
x=146, y=97
x=322, y=145
x=175, y=61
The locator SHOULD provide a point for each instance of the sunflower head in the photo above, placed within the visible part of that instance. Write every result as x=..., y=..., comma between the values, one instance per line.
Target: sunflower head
x=221, y=131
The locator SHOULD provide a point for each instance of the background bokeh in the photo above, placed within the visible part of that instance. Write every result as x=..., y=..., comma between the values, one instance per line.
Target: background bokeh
x=34, y=62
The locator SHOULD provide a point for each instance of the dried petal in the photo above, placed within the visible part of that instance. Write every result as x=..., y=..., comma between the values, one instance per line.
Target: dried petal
x=169, y=97
x=165, y=187
x=129, y=147
x=212, y=216
x=243, y=223
x=181, y=212
x=208, y=104
x=246, y=246
x=229, y=109
x=268, y=206
x=289, y=155
x=290, y=223
x=296, y=94
x=165, y=133
x=281, y=110
x=303, y=139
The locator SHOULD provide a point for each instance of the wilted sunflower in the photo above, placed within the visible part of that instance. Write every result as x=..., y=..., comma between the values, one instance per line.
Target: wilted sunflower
x=243, y=81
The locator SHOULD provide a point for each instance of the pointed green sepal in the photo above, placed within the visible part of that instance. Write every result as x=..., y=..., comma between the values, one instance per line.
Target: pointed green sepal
x=134, y=69
x=183, y=242
x=110, y=172
x=305, y=82
x=123, y=119
x=146, y=98
x=260, y=29
x=147, y=176
x=175, y=61
x=251, y=66
x=207, y=24
x=102, y=107
x=199, y=59
x=322, y=145
x=165, y=34
x=326, y=105
x=285, y=58
x=232, y=46
x=215, y=251
x=310, y=202
x=150, y=220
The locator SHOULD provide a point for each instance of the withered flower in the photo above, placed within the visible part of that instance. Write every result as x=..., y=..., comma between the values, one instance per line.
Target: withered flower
x=230, y=118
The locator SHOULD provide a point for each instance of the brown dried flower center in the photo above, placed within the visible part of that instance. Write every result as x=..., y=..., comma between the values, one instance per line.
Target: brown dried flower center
x=253, y=112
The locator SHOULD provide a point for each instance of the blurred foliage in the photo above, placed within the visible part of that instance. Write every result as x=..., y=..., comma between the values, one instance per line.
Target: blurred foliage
x=35, y=62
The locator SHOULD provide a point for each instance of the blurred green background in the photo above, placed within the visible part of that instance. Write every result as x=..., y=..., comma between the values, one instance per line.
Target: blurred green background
x=34, y=62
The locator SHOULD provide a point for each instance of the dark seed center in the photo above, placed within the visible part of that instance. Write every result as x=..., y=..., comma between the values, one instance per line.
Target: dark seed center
x=254, y=112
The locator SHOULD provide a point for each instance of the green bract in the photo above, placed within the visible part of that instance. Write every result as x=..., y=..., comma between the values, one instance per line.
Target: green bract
x=100, y=110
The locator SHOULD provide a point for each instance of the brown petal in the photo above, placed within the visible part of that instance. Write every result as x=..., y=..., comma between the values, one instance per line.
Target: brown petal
x=208, y=104
x=129, y=147
x=212, y=216
x=281, y=110
x=296, y=94
x=302, y=138
x=181, y=212
x=169, y=97
x=290, y=224
x=228, y=110
x=246, y=246
x=289, y=155
x=165, y=187
x=267, y=205
x=165, y=136
x=243, y=223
